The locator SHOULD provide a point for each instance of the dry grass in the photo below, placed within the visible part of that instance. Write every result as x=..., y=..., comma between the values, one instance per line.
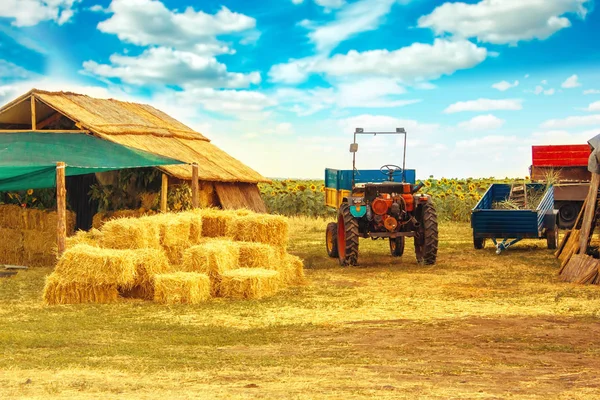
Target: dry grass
x=476, y=325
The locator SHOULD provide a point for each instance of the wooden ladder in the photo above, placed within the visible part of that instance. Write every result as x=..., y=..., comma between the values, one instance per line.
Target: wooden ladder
x=518, y=194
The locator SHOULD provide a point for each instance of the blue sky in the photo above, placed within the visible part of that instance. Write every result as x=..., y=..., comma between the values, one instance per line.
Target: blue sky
x=281, y=84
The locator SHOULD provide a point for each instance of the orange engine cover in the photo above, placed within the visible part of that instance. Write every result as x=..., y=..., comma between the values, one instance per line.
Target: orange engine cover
x=409, y=200
x=390, y=224
x=380, y=206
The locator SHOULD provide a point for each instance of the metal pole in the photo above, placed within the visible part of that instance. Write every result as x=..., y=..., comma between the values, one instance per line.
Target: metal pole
x=353, y=161
x=404, y=161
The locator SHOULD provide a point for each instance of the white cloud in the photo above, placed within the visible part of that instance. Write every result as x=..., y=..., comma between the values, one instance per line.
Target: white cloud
x=32, y=12
x=538, y=90
x=503, y=21
x=571, y=122
x=563, y=136
x=279, y=129
x=330, y=4
x=571, y=82
x=591, y=91
x=381, y=123
x=505, y=85
x=149, y=22
x=297, y=1
x=488, y=141
x=410, y=65
x=361, y=16
x=160, y=65
x=595, y=106
x=10, y=71
x=526, y=76
x=549, y=92
x=368, y=93
x=99, y=9
x=484, y=105
x=482, y=123
x=544, y=82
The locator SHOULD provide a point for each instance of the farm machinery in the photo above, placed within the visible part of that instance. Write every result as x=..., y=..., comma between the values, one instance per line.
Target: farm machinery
x=379, y=204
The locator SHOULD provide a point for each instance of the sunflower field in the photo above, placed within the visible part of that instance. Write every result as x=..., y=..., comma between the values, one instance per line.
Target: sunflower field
x=453, y=198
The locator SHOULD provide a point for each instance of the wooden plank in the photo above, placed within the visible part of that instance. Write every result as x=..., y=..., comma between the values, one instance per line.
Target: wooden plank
x=163, y=193
x=561, y=246
x=33, y=114
x=590, y=210
x=195, y=186
x=51, y=119
x=61, y=208
x=45, y=131
x=234, y=196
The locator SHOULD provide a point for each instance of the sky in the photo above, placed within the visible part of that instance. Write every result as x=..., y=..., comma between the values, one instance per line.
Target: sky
x=282, y=84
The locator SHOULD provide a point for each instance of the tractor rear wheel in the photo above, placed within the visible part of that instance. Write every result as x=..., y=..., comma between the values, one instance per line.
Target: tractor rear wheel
x=331, y=240
x=426, y=243
x=347, y=236
x=397, y=246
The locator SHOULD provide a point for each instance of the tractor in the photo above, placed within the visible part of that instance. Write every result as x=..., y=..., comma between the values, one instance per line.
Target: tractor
x=379, y=204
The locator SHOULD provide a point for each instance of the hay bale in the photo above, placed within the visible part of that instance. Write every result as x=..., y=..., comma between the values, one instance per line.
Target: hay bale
x=263, y=228
x=58, y=291
x=215, y=222
x=11, y=217
x=181, y=288
x=258, y=255
x=11, y=246
x=213, y=258
x=148, y=263
x=195, y=221
x=249, y=283
x=91, y=237
x=174, y=232
x=130, y=233
x=292, y=271
x=86, y=264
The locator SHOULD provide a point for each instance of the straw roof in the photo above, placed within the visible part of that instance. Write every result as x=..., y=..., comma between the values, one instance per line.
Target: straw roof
x=135, y=125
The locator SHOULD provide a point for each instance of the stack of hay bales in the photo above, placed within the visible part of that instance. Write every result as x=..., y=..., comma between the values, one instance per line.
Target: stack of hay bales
x=185, y=257
x=29, y=235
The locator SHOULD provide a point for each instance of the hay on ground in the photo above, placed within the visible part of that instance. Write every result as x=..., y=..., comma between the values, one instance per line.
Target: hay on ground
x=263, y=228
x=213, y=258
x=249, y=283
x=91, y=237
x=148, y=263
x=181, y=288
x=258, y=255
x=86, y=264
x=130, y=233
x=292, y=271
x=57, y=291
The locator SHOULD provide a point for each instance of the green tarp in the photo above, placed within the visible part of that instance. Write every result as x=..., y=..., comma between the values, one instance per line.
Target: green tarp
x=28, y=159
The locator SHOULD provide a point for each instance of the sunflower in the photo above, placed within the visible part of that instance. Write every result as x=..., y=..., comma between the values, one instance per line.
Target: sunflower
x=29, y=192
x=471, y=187
x=322, y=188
x=453, y=182
x=300, y=188
x=273, y=194
x=459, y=188
x=444, y=181
x=449, y=191
x=313, y=187
x=427, y=183
x=442, y=196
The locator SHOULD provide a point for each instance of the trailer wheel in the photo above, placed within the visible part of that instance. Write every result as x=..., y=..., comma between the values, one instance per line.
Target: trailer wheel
x=331, y=240
x=552, y=238
x=567, y=214
x=478, y=243
x=347, y=236
x=426, y=245
x=397, y=246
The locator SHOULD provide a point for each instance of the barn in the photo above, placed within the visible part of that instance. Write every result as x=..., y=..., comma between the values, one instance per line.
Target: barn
x=225, y=181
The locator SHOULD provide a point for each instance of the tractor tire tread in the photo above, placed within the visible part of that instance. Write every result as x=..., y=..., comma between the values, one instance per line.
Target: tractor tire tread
x=430, y=244
x=332, y=230
x=351, y=227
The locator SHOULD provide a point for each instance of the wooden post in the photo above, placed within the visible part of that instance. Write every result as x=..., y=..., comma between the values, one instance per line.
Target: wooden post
x=163, y=193
x=33, y=116
x=195, y=188
x=61, y=208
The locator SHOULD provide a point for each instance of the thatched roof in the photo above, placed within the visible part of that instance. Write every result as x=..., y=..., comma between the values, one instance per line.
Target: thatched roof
x=136, y=125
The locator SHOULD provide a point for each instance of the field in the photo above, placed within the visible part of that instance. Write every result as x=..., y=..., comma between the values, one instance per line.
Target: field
x=476, y=325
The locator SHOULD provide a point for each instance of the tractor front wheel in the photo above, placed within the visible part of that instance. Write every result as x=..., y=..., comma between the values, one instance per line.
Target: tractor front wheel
x=347, y=236
x=397, y=246
x=331, y=240
x=426, y=243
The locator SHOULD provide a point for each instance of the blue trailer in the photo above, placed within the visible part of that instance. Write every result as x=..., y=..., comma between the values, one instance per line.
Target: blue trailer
x=507, y=227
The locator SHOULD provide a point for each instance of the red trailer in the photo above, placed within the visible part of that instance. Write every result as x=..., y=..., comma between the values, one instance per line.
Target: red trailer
x=570, y=163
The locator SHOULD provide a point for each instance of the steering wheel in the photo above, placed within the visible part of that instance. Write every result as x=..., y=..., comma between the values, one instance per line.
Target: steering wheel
x=390, y=170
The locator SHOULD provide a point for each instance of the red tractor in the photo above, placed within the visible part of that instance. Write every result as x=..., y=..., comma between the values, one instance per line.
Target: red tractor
x=379, y=204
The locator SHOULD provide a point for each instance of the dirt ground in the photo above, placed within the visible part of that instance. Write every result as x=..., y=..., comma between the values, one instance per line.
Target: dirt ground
x=475, y=326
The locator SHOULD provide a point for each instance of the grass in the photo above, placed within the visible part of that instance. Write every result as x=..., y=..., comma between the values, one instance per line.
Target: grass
x=475, y=325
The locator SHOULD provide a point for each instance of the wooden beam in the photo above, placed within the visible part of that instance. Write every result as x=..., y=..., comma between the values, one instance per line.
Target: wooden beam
x=51, y=119
x=588, y=214
x=163, y=193
x=61, y=208
x=45, y=131
x=195, y=188
x=33, y=114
